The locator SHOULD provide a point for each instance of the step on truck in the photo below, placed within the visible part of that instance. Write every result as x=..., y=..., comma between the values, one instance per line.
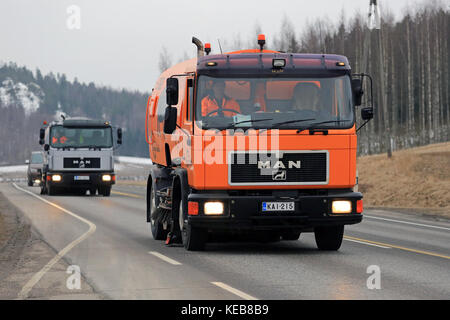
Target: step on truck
x=78, y=156
x=254, y=143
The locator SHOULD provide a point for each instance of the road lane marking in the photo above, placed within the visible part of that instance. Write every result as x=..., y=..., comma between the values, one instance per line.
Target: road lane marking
x=401, y=248
x=127, y=194
x=407, y=222
x=23, y=294
x=367, y=243
x=163, y=257
x=237, y=292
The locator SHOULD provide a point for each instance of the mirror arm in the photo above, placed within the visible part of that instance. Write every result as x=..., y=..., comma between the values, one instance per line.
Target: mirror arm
x=186, y=133
x=366, y=122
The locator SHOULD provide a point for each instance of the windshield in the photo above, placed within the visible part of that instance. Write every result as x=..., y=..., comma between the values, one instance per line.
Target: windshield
x=65, y=137
x=36, y=158
x=282, y=103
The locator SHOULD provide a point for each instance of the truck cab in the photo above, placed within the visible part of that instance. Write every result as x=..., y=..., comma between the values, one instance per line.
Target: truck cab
x=254, y=142
x=78, y=156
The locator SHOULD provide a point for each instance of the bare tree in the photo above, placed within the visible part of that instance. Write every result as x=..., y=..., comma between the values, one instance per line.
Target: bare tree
x=165, y=59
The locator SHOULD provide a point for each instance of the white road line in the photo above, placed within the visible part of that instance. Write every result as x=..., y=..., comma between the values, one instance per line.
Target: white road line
x=23, y=294
x=369, y=244
x=237, y=292
x=406, y=222
x=163, y=257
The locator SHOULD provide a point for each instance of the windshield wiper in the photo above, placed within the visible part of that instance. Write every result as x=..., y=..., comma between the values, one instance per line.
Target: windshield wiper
x=233, y=126
x=319, y=123
x=258, y=120
x=292, y=121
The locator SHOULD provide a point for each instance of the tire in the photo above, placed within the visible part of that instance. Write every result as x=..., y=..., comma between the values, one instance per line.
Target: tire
x=92, y=191
x=105, y=191
x=30, y=183
x=194, y=239
x=156, y=227
x=51, y=191
x=291, y=236
x=329, y=238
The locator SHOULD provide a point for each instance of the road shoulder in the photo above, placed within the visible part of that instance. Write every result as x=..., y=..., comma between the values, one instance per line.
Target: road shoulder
x=23, y=253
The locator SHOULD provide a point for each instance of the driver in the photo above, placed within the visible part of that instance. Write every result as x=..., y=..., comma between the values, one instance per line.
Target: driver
x=306, y=97
x=58, y=137
x=218, y=100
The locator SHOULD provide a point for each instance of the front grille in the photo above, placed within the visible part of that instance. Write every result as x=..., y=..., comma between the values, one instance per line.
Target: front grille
x=290, y=168
x=82, y=163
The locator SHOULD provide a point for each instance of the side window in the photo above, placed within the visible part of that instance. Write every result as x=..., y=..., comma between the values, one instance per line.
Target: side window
x=190, y=103
x=161, y=108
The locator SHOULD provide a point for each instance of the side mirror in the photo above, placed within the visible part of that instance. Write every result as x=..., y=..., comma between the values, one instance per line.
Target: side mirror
x=46, y=147
x=41, y=136
x=27, y=161
x=170, y=120
x=119, y=136
x=172, y=91
x=367, y=113
x=357, y=91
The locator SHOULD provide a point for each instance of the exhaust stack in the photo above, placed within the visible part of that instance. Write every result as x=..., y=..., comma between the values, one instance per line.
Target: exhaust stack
x=199, y=44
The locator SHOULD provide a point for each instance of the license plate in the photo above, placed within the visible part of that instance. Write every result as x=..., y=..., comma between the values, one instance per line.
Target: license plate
x=84, y=178
x=278, y=206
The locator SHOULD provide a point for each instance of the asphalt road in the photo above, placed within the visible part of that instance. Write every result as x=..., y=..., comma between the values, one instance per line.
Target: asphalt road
x=110, y=241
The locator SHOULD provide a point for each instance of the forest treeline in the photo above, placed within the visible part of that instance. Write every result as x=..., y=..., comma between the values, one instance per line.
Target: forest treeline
x=19, y=129
x=409, y=62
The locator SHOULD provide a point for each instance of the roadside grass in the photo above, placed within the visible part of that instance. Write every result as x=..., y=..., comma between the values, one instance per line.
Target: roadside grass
x=417, y=179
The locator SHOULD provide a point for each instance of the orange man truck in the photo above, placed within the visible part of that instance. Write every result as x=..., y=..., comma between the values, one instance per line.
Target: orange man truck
x=254, y=142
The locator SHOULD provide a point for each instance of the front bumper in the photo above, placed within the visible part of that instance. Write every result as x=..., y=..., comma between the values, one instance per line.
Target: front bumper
x=245, y=212
x=68, y=179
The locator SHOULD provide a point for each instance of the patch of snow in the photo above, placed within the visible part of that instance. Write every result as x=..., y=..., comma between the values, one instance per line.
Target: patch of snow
x=133, y=160
x=118, y=167
x=7, y=169
x=28, y=96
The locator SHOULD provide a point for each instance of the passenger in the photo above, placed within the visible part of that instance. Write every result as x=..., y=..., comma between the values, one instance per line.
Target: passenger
x=306, y=97
x=218, y=100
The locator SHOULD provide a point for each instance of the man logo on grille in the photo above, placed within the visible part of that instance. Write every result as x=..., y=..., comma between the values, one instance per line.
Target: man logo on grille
x=279, y=175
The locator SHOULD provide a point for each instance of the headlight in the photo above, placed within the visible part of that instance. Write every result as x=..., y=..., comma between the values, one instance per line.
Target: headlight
x=56, y=178
x=341, y=206
x=106, y=177
x=37, y=181
x=213, y=208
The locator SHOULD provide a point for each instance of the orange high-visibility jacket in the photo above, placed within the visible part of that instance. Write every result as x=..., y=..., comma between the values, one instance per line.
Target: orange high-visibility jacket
x=209, y=105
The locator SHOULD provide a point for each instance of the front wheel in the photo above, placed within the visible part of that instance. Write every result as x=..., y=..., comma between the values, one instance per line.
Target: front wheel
x=156, y=226
x=329, y=238
x=194, y=239
x=105, y=191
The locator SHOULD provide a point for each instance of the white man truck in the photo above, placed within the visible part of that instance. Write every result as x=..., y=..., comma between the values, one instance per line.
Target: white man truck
x=78, y=156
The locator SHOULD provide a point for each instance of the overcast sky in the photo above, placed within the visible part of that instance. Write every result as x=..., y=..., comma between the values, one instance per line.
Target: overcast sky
x=119, y=41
